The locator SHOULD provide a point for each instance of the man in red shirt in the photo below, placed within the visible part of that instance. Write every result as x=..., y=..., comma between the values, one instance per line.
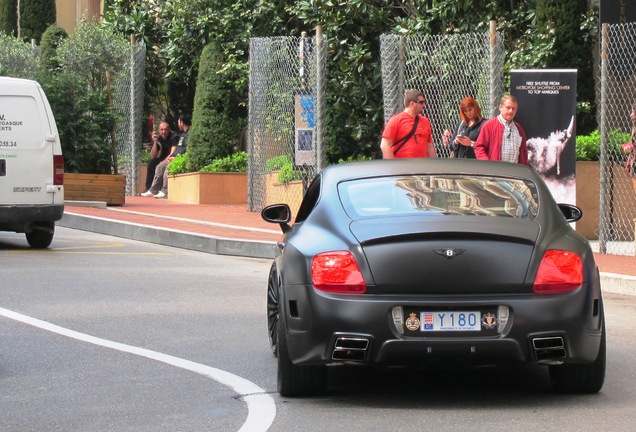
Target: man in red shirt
x=402, y=138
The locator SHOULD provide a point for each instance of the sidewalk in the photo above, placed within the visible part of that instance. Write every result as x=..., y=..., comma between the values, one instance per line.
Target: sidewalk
x=218, y=229
x=232, y=230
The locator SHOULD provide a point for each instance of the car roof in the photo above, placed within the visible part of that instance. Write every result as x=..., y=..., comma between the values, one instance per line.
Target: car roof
x=380, y=168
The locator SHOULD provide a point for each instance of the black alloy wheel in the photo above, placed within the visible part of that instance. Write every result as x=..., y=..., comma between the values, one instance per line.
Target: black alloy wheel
x=273, y=312
x=582, y=378
x=293, y=380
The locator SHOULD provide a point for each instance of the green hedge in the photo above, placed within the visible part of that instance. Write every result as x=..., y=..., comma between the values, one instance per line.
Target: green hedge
x=8, y=17
x=51, y=39
x=588, y=147
x=179, y=165
x=285, y=167
x=35, y=16
x=236, y=162
x=216, y=120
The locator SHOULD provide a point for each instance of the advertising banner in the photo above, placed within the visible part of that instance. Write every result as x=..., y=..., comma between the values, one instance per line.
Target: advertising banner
x=617, y=11
x=304, y=153
x=547, y=113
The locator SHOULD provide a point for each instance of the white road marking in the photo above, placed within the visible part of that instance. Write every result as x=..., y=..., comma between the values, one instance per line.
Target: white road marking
x=260, y=405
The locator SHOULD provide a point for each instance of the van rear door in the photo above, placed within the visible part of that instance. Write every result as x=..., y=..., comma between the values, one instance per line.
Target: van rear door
x=28, y=136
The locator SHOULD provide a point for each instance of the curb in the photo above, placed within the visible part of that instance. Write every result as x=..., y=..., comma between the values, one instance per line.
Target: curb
x=618, y=283
x=93, y=204
x=174, y=238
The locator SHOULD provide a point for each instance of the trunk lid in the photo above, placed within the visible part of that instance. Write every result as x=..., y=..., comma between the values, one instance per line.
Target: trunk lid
x=447, y=254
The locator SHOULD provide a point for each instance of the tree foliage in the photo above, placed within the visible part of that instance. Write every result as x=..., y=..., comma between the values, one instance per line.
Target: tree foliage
x=133, y=18
x=236, y=162
x=17, y=59
x=51, y=39
x=569, y=26
x=354, y=93
x=8, y=17
x=92, y=51
x=84, y=121
x=87, y=58
x=179, y=29
x=35, y=16
x=216, y=120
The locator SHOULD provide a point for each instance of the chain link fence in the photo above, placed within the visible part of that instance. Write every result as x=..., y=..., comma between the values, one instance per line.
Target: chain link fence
x=446, y=68
x=617, y=204
x=286, y=99
x=286, y=110
x=286, y=118
x=128, y=100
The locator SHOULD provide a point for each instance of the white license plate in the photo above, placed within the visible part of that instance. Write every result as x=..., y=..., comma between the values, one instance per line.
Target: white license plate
x=450, y=321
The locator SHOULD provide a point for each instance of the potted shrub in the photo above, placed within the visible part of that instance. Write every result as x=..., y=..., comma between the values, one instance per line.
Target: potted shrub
x=224, y=181
x=283, y=183
x=588, y=151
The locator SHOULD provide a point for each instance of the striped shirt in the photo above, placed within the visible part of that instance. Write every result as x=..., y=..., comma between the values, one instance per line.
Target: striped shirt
x=510, y=141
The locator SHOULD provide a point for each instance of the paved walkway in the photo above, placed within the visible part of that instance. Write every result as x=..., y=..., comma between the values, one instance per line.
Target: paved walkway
x=232, y=230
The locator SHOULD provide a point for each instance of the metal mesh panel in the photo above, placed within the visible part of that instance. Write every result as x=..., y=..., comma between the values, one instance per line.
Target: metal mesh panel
x=446, y=68
x=286, y=118
x=128, y=98
x=617, y=206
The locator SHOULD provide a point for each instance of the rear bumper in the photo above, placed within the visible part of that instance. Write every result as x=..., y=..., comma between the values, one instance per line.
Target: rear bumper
x=322, y=326
x=20, y=214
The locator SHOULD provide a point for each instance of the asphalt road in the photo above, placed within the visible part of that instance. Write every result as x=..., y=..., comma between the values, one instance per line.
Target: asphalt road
x=99, y=333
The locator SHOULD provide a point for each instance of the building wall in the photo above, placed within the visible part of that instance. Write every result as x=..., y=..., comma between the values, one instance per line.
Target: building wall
x=69, y=12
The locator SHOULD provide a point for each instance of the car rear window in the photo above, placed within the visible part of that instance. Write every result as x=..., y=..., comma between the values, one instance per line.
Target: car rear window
x=439, y=195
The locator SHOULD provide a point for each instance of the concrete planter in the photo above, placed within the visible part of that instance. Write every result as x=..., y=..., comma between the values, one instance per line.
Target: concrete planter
x=141, y=178
x=290, y=193
x=208, y=188
x=108, y=188
x=588, y=199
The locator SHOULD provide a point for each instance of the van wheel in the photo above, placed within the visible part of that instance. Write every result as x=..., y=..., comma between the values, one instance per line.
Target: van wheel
x=42, y=236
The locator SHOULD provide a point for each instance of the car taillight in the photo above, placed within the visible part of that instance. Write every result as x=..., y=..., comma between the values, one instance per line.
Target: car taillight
x=337, y=272
x=560, y=271
x=58, y=169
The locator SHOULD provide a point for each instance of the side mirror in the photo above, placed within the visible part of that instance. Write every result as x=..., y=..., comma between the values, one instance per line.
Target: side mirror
x=571, y=212
x=278, y=213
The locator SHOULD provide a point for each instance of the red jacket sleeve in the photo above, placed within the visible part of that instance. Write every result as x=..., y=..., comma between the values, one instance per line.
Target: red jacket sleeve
x=481, y=146
x=523, y=149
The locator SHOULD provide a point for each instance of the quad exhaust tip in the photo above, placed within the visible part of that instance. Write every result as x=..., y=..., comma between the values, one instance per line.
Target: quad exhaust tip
x=347, y=348
x=549, y=348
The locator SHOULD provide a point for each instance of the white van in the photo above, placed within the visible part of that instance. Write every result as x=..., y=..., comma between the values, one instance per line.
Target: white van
x=31, y=163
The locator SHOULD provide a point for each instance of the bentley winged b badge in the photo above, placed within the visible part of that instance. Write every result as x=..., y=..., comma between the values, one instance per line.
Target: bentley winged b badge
x=449, y=253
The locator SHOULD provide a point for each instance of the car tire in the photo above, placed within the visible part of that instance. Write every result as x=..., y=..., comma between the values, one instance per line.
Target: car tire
x=581, y=378
x=41, y=238
x=296, y=380
x=273, y=309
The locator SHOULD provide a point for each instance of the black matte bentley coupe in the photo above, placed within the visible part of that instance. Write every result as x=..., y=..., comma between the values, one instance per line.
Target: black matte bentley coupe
x=416, y=261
